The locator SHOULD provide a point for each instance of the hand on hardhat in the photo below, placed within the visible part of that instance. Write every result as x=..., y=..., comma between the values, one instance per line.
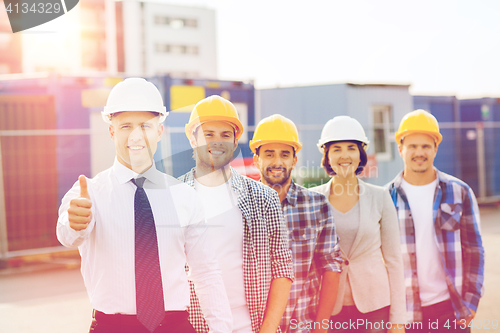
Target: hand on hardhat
x=79, y=208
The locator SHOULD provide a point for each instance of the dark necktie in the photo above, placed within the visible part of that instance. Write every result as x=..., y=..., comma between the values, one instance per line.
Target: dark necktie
x=148, y=285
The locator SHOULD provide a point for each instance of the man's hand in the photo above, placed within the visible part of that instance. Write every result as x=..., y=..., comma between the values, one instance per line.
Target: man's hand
x=79, y=208
x=469, y=319
x=397, y=328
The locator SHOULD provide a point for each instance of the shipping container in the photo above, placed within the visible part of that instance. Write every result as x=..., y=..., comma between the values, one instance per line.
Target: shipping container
x=471, y=135
x=51, y=131
x=446, y=110
x=44, y=146
x=479, y=140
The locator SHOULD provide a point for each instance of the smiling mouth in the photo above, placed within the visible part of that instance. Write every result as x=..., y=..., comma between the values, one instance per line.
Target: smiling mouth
x=216, y=152
x=276, y=172
x=135, y=148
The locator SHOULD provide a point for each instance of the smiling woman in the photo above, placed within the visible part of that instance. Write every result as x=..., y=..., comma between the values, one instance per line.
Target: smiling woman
x=366, y=222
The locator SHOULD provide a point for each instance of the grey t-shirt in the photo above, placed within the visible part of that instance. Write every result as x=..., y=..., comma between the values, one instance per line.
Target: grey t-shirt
x=347, y=225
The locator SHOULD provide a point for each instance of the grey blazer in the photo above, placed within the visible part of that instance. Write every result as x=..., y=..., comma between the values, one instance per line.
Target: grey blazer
x=375, y=263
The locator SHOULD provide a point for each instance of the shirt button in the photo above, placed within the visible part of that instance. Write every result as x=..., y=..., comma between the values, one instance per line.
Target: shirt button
x=304, y=235
x=346, y=262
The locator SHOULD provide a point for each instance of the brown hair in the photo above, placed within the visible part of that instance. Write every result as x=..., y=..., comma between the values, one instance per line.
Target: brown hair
x=325, y=163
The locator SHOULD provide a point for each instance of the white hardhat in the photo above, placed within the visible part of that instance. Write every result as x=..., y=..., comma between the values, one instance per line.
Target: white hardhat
x=342, y=128
x=134, y=94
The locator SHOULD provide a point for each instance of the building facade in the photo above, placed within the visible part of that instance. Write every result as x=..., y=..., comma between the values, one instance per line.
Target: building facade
x=163, y=39
x=133, y=37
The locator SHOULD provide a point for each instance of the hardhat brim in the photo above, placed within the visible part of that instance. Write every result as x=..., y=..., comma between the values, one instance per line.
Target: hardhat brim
x=107, y=116
x=189, y=128
x=436, y=135
x=254, y=144
x=322, y=143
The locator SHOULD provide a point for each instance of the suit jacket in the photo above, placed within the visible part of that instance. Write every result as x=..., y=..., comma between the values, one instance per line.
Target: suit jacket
x=374, y=264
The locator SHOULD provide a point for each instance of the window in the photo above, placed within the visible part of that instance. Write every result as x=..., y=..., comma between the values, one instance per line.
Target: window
x=192, y=49
x=192, y=23
x=176, y=22
x=381, y=131
x=176, y=49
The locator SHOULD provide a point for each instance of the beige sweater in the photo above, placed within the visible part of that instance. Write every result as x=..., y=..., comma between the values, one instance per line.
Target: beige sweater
x=375, y=263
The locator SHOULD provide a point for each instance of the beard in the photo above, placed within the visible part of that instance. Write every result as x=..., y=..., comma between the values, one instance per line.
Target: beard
x=209, y=161
x=422, y=168
x=276, y=181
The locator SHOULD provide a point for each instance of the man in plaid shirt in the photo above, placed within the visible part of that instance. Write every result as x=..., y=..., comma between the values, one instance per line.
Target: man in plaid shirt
x=440, y=233
x=312, y=236
x=248, y=230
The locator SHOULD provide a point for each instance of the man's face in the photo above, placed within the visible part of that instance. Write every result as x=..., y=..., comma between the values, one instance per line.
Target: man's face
x=418, y=152
x=275, y=162
x=136, y=135
x=214, y=144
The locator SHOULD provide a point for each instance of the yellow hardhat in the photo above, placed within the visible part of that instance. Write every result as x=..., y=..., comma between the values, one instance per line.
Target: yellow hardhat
x=419, y=121
x=214, y=108
x=275, y=129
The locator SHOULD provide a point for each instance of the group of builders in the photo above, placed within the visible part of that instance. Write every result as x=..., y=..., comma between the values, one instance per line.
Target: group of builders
x=216, y=251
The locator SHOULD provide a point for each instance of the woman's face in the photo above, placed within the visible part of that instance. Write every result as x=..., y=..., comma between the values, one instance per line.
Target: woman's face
x=344, y=158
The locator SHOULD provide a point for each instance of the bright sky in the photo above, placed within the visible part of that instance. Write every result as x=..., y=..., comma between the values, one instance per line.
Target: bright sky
x=440, y=47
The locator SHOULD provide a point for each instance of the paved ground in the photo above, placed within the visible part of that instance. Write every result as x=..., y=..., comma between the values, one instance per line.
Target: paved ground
x=489, y=307
x=51, y=299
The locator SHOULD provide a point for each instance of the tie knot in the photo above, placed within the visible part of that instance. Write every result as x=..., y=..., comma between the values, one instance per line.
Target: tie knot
x=139, y=182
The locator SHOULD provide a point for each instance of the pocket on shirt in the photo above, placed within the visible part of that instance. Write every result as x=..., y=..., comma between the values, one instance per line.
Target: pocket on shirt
x=302, y=243
x=450, y=216
x=303, y=234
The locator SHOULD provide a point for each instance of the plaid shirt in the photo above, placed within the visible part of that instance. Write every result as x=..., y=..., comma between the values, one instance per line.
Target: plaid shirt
x=456, y=221
x=315, y=250
x=266, y=255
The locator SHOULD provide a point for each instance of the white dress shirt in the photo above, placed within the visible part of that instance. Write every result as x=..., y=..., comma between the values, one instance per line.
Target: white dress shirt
x=107, y=244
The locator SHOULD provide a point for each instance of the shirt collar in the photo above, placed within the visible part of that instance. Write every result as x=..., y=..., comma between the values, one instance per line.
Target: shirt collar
x=292, y=194
x=124, y=174
x=235, y=180
x=441, y=177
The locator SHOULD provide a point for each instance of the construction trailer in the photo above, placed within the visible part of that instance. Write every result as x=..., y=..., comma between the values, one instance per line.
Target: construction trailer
x=378, y=107
x=51, y=131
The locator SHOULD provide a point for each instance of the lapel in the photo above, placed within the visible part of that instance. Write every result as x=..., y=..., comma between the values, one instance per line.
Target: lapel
x=364, y=216
x=324, y=189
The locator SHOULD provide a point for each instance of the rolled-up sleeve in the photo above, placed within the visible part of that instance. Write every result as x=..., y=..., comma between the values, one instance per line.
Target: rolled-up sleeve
x=473, y=252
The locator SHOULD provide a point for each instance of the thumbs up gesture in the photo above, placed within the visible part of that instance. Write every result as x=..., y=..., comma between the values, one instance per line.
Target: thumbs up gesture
x=79, y=208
